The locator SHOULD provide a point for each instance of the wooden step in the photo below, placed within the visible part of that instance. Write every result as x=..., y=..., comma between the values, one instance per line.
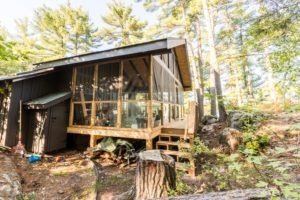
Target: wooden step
x=172, y=138
x=173, y=131
x=177, y=153
x=179, y=144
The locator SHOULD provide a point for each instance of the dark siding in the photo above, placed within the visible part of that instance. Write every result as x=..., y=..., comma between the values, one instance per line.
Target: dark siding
x=30, y=89
x=57, y=131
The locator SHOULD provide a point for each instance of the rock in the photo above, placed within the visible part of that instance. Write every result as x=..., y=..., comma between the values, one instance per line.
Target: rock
x=209, y=119
x=241, y=194
x=211, y=129
x=231, y=137
x=10, y=181
x=238, y=119
x=60, y=192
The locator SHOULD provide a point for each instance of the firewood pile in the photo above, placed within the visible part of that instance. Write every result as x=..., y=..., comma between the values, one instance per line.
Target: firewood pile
x=118, y=151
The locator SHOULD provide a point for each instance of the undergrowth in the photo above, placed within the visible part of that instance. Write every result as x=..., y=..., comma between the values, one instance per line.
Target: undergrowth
x=255, y=164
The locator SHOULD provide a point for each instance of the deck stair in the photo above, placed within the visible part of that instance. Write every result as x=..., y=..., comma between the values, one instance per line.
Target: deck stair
x=177, y=138
x=175, y=144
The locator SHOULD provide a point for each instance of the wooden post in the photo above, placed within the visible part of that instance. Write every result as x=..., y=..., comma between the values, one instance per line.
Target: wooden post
x=93, y=140
x=82, y=99
x=149, y=107
x=73, y=93
x=95, y=87
x=149, y=144
x=119, y=115
x=155, y=175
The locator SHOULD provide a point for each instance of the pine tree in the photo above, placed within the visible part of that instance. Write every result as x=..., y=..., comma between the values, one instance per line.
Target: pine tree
x=122, y=27
x=64, y=31
x=9, y=58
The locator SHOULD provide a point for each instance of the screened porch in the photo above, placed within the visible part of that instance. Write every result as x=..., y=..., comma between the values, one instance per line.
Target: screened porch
x=131, y=98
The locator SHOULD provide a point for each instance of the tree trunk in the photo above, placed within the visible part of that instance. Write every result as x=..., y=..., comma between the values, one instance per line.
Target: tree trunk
x=200, y=91
x=247, y=78
x=196, y=76
x=155, y=175
x=212, y=93
x=214, y=63
x=270, y=80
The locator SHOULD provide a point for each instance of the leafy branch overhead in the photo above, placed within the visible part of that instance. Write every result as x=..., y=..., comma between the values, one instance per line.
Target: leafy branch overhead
x=122, y=27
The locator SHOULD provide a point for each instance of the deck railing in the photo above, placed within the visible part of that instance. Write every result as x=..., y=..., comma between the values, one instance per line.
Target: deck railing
x=192, y=120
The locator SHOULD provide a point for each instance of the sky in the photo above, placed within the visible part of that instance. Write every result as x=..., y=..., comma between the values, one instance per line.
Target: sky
x=10, y=10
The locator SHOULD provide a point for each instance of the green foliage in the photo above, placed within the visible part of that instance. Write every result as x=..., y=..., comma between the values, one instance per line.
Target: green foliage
x=117, y=147
x=63, y=31
x=292, y=108
x=281, y=184
x=252, y=144
x=5, y=49
x=30, y=196
x=123, y=28
x=10, y=58
x=181, y=187
x=198, y=147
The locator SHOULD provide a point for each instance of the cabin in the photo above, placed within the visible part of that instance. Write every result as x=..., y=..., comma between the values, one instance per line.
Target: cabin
x=133, y=92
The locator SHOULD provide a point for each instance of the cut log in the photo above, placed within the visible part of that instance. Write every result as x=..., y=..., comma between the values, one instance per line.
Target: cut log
x=155, y=175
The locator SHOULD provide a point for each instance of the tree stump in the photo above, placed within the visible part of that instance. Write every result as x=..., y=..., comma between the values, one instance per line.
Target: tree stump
x=155, y=175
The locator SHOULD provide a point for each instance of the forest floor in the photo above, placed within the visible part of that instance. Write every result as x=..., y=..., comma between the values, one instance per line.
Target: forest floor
x=69, y=176
x=276, y=165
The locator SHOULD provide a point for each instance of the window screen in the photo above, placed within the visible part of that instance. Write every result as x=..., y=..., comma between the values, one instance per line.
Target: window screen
x=84, y=83
x=108, y=82
x=136, y=79
x=157, y=81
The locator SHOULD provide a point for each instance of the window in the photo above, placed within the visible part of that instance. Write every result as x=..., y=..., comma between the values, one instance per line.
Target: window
x=82, y=113
x=157, y=81
x=108, y=82
x=106, y=114
x=136, y=79
x=134, y=115
x=166, y=114
x=84, y=83
x=166, y=84
x=156, y=114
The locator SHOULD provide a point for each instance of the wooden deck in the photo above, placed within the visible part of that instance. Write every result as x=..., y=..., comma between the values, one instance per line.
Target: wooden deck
x=178, y=124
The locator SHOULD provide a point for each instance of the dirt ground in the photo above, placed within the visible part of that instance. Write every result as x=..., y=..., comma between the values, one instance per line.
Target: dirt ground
x=69, y=176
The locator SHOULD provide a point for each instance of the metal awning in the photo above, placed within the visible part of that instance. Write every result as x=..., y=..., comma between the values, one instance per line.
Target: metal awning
x=47, y=101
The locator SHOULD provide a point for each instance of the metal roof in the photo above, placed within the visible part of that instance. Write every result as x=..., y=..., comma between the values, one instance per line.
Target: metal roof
x=166, y=43
x=47, y=101
x=148, y=47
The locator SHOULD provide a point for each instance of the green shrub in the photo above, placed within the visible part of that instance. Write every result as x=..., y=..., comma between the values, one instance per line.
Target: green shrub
x=263, y=140
x=252, y=144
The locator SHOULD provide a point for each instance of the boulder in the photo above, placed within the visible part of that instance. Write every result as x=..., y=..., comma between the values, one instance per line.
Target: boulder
x=211, y=129
x=209, y=119
x=10, y=181
x=231, y=137
x=238, y=119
